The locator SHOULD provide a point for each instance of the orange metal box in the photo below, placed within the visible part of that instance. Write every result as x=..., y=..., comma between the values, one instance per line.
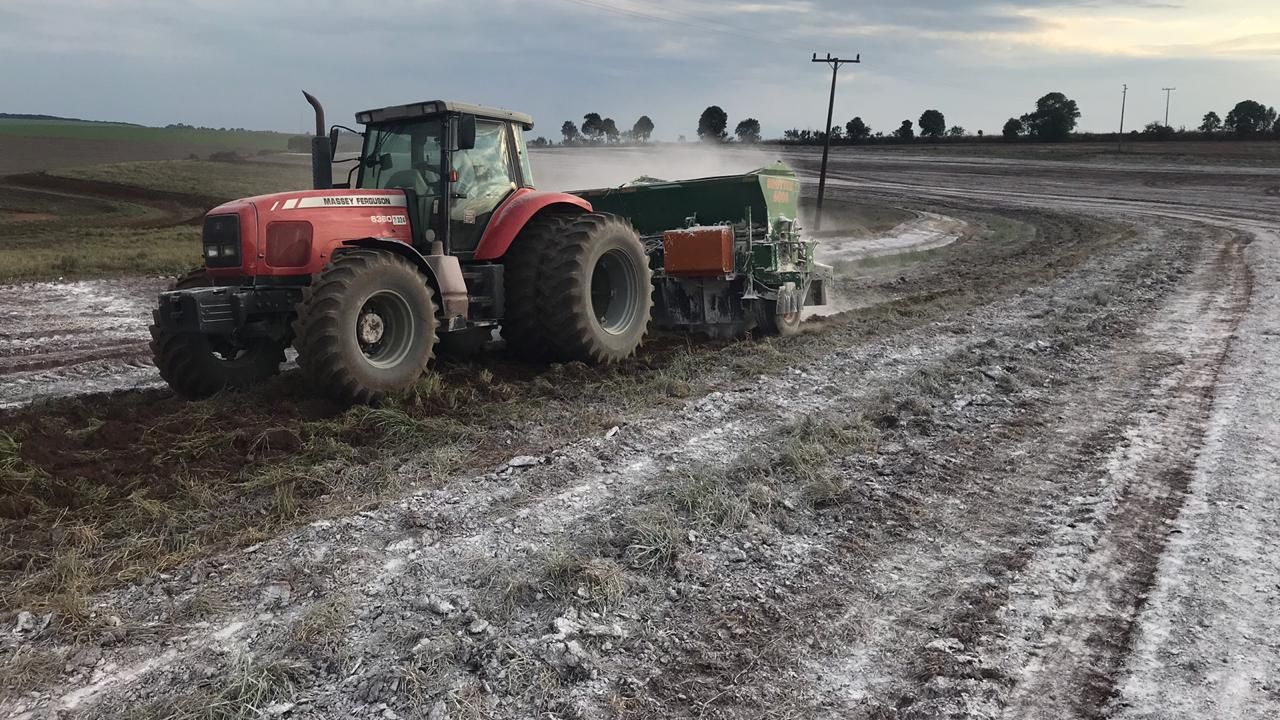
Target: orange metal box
x=698, y=251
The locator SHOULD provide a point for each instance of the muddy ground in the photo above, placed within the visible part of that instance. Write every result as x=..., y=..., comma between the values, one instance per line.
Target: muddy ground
x=1032, y=473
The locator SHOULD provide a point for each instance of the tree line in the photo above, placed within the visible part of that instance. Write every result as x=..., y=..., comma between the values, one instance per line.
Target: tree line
x=1054, y=119
x=596, y=130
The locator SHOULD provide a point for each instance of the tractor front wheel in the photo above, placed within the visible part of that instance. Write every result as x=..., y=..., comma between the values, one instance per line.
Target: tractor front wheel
x=197, y=366
x=366, y=326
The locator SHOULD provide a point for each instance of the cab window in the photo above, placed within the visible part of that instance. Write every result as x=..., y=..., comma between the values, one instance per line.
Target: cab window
x=404, y=155
x=522, y=149
x=485, y=177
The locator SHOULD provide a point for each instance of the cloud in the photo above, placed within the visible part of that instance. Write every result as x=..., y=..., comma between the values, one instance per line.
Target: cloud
x=241, y=63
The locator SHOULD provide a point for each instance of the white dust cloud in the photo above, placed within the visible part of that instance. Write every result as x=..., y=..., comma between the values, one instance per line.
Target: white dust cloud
x=597, y=167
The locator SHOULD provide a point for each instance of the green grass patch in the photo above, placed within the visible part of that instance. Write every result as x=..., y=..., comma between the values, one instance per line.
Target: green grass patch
x=54, y=233
x=247, y=140
x=205, y=178
x=99, y=252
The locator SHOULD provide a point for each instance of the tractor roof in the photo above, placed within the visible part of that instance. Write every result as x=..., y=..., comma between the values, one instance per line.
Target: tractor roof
x=433, y=107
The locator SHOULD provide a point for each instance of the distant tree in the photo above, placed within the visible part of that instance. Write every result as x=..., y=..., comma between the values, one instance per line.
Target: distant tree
x=1249, y=117
x=1012, y=129
x=610, y=129
x=748, y=131
x=792, y=134
x=593, y=126
x=681, y=138
x=712, y=124
x=1054, y=118
x=856, y=130
x=643, y=128
x=905, y=131
x=569, y=131
x=539, y=142
x=932, y=124
x=980, y=134
x=956, y=131
x=1275, y=128
x=1211, y=122
x=1157, y=130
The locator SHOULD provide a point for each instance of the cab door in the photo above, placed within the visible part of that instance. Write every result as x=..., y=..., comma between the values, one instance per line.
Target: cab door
x=486, y=175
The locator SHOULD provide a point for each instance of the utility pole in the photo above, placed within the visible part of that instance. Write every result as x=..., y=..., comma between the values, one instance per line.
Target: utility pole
x=1167, y=93
x=835, y=64
x=1123, y=96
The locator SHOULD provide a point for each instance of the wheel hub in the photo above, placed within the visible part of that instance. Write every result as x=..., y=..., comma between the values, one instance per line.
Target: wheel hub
x=614, y=299
x=370, y=328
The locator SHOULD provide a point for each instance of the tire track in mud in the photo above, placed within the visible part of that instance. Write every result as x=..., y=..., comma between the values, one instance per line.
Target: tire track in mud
x=74, y=338
x=987, y=506
x=1074, y=671
x=1206, y=642
x=1100, y=569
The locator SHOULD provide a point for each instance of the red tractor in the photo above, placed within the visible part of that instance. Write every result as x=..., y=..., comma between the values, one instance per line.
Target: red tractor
x=438, y=232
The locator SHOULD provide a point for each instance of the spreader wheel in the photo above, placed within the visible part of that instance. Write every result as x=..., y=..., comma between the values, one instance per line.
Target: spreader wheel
x=772, y=320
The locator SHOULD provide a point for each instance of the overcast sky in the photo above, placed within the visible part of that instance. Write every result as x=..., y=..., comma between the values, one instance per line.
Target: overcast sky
x=242, y=63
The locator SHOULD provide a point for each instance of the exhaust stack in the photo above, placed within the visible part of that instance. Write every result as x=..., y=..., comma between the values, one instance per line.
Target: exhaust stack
x=321, y=150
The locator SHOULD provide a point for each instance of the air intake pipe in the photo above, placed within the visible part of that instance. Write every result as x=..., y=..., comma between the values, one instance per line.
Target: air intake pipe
x=321, y=149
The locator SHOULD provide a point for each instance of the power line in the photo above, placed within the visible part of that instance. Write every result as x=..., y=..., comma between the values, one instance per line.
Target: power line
x=1169, y=91
x=1124, y=95
x=835, y=64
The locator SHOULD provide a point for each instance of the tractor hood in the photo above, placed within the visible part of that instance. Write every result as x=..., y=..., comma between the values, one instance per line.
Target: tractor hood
x=292, y=233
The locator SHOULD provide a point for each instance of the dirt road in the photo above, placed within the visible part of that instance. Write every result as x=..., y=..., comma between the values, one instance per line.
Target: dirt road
x=1037, y=478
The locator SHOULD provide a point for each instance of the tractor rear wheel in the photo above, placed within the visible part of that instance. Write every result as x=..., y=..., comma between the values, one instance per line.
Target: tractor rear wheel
x=366, y=326
x=523, y=326
x=197, y=366
x=596, y=290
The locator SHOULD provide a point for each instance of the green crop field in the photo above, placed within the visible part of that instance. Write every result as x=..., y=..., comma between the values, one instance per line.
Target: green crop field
x=244, y=140
x=220, y=180
x=133, y=218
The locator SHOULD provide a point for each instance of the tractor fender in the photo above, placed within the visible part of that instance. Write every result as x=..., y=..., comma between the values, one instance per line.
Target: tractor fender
x=398, y=247
x=443, y=271
x=516, y=212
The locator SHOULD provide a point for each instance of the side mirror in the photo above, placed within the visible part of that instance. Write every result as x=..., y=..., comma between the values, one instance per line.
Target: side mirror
x=466, y=132
x=333, y=143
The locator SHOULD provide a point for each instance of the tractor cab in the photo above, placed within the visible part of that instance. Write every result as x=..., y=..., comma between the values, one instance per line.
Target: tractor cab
x=456, y=162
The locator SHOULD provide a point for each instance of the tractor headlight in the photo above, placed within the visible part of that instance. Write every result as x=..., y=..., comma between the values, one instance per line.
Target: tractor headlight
x=221, y=238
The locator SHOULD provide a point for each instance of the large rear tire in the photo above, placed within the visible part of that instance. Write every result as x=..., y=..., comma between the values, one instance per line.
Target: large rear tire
x=366, y=326
x=596, y=290
x=523, y=326
x=197, y=366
